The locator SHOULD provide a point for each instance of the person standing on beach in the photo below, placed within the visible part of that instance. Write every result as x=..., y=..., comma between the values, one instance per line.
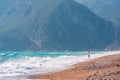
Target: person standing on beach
x=88, y=54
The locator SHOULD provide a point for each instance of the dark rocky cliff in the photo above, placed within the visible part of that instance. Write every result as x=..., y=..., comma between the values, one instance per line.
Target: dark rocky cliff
x=52, y=25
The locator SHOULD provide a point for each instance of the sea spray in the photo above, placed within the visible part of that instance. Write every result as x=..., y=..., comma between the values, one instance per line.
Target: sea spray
x=28, y=63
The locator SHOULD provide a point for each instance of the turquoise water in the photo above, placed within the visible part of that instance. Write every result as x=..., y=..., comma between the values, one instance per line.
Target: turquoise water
x=13, y=55
x=27, y=63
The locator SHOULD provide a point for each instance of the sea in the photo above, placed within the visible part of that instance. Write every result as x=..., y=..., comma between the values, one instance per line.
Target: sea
x=16, y=65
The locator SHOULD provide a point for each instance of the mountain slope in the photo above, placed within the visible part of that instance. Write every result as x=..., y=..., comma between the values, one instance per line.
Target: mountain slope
x=51, y=25
x=107, y=9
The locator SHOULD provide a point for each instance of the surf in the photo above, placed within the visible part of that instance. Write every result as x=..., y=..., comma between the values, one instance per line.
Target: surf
x=29, y=63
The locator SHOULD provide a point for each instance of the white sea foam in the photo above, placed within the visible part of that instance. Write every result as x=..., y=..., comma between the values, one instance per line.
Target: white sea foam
x=35, y=65
x=28, y=65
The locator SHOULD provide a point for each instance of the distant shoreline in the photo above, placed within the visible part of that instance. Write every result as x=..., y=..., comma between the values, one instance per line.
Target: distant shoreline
x=105, y=67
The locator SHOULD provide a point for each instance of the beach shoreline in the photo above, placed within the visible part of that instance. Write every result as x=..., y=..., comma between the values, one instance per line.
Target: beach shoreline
x=104, y=67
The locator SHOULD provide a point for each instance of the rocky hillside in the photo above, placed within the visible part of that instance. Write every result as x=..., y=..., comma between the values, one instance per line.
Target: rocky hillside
x=51, y=25
x=107, y=9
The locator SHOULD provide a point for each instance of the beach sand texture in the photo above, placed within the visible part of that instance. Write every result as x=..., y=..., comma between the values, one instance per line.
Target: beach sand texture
x=103, y=68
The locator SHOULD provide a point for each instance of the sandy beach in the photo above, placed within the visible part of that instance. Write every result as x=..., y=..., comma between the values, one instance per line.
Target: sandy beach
x=103, y=68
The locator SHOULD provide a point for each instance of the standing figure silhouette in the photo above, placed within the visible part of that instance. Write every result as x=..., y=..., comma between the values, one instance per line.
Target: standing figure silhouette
x=88, y=54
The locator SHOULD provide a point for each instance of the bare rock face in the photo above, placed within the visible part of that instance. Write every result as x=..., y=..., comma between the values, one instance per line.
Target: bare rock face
x=107, y=9
x=51, y=25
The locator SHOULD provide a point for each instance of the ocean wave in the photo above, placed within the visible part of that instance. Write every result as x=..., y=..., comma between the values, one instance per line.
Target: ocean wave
x=27, y=65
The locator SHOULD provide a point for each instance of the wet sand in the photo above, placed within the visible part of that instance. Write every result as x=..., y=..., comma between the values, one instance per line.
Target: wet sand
x=103, y=68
